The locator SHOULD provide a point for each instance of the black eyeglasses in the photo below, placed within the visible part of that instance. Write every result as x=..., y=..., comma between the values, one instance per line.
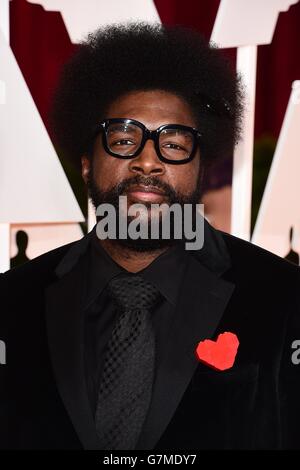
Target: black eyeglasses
x=126, y=138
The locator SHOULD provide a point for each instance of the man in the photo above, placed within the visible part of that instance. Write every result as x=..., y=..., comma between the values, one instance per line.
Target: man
x=106, y=337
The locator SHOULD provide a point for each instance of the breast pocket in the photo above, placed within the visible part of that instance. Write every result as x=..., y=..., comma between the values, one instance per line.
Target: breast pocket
x=237, y=375
x=225, y=403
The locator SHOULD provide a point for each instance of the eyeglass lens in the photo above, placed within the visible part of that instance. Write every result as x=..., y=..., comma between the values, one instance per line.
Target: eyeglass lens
x=124, y=139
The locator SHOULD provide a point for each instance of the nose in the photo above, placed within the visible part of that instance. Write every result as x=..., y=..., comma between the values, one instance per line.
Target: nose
x=147, y=162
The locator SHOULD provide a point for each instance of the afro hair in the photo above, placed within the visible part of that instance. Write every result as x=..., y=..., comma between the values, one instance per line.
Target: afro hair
x=121, y=58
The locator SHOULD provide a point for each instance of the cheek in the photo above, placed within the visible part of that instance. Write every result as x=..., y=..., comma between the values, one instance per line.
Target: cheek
x=184, y=178
x=108, y=171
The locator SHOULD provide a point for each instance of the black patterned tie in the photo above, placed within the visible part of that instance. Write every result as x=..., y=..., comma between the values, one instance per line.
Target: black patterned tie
x=126, y=384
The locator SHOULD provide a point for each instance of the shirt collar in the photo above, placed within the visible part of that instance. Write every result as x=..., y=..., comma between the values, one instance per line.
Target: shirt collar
x=101, y=269
x=165, y=272
x=214, y=255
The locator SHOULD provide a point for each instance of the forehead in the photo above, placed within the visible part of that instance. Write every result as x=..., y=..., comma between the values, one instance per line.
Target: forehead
x=152, y=108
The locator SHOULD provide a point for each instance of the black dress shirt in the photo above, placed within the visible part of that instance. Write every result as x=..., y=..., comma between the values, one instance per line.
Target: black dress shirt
x=165, y=273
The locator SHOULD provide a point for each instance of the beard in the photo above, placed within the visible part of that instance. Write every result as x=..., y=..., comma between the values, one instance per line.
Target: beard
x=111, y=196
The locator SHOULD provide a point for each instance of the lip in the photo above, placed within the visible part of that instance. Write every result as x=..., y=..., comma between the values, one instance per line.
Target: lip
x=145, y=189
x=146, y=193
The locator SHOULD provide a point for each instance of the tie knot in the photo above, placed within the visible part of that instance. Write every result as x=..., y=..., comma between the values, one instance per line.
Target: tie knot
x=131, y=291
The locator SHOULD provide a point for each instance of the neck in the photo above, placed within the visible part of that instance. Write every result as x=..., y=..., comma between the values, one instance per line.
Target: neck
x=132, y=261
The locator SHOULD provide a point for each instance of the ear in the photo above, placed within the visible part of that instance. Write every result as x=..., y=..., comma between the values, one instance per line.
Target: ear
x=85, y=167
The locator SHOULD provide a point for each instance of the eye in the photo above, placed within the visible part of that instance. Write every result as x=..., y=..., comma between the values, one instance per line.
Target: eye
x=123, y=142
x=173, y=146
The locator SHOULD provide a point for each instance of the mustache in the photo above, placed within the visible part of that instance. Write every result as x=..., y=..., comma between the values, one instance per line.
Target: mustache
x=152, y=181
x=112, y=195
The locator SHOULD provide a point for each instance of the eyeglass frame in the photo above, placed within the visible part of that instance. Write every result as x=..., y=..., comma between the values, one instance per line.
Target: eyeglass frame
x=152, y=135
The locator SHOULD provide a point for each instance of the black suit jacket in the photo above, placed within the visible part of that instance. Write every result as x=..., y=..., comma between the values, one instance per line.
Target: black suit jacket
x=229, y=285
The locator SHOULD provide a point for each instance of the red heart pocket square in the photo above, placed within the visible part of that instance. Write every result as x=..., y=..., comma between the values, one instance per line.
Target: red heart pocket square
x=219, y=354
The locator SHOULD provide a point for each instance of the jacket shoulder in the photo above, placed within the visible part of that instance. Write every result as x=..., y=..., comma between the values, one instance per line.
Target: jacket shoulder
x=253, y=256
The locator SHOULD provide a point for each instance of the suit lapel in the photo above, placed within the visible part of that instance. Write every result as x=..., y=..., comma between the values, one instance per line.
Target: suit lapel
x=65, y=328
x=203, y=299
